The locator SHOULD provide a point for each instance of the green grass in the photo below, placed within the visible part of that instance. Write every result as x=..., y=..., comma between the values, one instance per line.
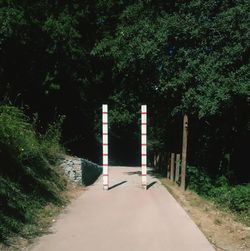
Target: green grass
x=233, y=198
x=29, y=178
x=218, y=221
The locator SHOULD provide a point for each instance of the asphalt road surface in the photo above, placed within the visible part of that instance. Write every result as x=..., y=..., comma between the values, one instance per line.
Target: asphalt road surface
x=124, y=218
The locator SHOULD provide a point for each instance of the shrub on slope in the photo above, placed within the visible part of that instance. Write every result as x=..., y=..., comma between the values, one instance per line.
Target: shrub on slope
x=235, y=198
x=28, y=177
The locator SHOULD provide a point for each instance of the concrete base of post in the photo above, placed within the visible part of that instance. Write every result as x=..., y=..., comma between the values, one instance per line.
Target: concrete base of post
x=105, y=187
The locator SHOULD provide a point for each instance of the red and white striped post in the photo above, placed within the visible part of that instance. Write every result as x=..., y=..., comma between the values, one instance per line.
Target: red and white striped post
x=105, y=172
x=144, y=145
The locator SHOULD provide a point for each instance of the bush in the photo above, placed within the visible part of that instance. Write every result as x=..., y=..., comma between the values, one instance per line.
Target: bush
x=50, y=141
x=239, y=198
x=235, y=198
x=27, y=179
x=198, y=180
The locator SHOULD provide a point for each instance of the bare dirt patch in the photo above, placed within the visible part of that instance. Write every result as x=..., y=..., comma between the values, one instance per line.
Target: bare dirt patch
x=220, y=228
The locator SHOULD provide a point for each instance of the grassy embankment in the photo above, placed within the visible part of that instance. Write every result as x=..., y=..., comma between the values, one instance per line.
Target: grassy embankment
x=225, y=195
x=32, y=186
x=221, y=227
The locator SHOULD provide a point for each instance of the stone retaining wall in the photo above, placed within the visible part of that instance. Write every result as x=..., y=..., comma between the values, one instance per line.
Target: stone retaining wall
x=80, y=170
x=73, y=168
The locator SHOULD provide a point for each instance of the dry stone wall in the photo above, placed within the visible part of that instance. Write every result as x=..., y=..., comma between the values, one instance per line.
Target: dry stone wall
x=81, y=170
x=73, y=168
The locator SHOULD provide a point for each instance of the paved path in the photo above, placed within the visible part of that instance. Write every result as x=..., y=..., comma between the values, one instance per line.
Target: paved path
x=125, y=218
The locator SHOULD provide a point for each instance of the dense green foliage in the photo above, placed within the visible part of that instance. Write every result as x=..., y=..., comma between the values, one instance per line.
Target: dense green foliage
x=28, y=178
x=179, y=57
x=234, y=198
x=69, y=57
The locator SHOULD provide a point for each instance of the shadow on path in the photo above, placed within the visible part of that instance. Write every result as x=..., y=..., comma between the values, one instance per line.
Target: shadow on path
x=118, y=184
x=151, y=184
x=134, y=172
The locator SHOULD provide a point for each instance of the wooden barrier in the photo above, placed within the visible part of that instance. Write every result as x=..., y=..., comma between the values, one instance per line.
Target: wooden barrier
x=177, y=167
x=172, y=166
x=168, y=166
x=184, y=152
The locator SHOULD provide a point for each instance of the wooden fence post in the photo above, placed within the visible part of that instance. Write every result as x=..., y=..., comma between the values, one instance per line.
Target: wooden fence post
x=172, y=167
x=154, y=160
x=168, y=165
x=184, y=152
x=177, y=167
